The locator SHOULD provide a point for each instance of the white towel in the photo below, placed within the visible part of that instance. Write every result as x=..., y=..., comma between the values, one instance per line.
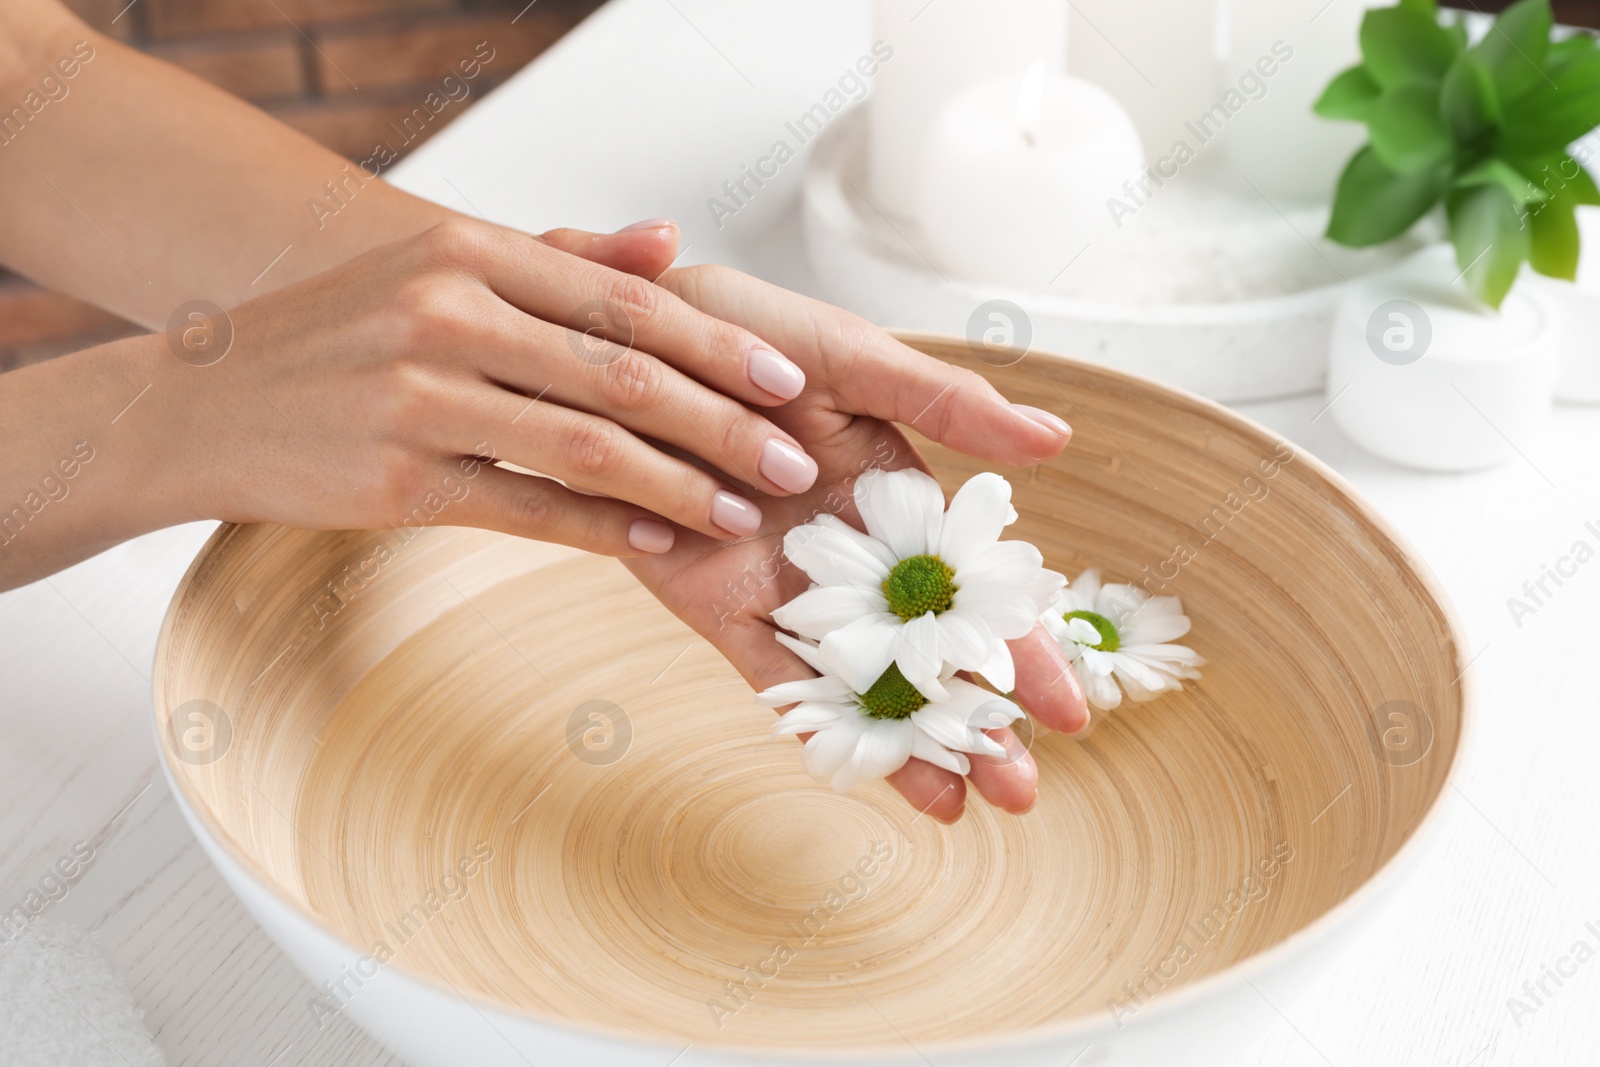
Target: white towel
x=63, y=1005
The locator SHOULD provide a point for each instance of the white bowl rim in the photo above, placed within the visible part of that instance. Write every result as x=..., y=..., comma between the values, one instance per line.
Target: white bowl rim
x=1082, y=1027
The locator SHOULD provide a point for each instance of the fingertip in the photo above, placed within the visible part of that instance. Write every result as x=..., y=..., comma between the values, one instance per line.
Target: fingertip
x=650, y=536
x=1047, y=686
x=933, y=791
x=1009, y=782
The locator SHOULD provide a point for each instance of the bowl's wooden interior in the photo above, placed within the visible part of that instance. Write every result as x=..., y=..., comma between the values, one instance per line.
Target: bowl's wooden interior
x=426, y=720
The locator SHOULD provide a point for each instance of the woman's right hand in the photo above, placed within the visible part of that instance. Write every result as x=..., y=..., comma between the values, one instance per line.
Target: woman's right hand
x=370, y=395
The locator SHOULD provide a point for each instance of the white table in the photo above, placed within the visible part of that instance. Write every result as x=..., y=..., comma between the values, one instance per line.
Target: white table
x=643, y=111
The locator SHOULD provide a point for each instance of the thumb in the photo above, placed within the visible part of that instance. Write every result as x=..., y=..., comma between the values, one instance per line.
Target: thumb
x=646, y=249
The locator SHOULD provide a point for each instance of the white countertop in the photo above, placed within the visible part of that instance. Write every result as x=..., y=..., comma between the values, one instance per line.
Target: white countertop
x=644, y=111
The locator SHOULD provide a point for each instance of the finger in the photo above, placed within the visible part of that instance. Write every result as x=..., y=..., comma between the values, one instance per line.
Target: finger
x=933, y=791
x=586, y=450
x=646, y=248
x=1047, y=686
x=542, y=510
x=873, y=374
x=634, y=389
x=546, y=282
x=748, y=645
x=1009, y=782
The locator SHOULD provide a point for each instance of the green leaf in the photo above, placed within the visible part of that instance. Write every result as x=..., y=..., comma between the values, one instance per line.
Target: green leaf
x=1559, y=177
x=1403, y=44
x=1457, y=28
x=1553, y=239
x=1564, y=53
x=1499, y=172
x=1468, y=98
x=1514, y=48
x=1348, y=96
x=1373, y=204
x=1553, y=114
x=1406, y=130
x=1491, y=241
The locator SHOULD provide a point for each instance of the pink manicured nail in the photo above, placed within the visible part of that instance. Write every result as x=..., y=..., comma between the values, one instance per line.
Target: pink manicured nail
x=648, y=535
x=775, y=374
x=735, y=514
x=1044, y=418
x=648, y=224
x=786, y=466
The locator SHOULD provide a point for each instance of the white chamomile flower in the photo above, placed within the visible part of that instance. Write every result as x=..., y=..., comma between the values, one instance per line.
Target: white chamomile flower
x=1119, y=633
x=867, y=732
x=924, y=589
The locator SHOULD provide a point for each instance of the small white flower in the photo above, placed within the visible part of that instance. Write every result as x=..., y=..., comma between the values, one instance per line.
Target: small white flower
x=924, y=589
x=869, y=732
x=1119, y=633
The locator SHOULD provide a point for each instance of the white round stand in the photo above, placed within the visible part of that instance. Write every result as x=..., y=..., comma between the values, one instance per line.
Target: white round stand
x=1234, y=351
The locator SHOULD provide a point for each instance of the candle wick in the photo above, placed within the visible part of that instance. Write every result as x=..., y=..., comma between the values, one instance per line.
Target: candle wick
x=1030, y=102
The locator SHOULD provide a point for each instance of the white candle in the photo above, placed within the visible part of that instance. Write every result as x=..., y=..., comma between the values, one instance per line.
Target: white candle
x=1273, y=139
x=940, y=48
x=1160, y=64
x=1016, y=175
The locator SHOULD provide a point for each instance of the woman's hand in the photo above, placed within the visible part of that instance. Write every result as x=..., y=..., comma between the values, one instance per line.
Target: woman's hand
x=346, y=400
x=860, y=383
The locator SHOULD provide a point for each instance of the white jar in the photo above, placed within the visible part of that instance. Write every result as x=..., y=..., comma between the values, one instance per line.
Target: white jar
x=1422, y=374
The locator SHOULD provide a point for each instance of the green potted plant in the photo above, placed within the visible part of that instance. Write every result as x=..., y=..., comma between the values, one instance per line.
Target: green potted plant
x=1483, y=128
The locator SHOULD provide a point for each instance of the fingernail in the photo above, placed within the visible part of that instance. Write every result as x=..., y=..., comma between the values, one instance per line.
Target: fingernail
x=648, y=535
x=1044, y=418
x=775, y=374
x=786, y=466
x=1083, y=731
x=735, y=514
x=648, y=224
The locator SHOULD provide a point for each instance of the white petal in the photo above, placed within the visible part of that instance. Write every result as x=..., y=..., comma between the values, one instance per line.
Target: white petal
x=945, y=724
x=825, y=688
x=926, y=748
x=1083, y=632
x=1120, y=601
x=1085, y=591
x=832, y=557
x=806, y=651
x=884, y=747
x=903, y=509
x=832, y=748
x=824, y=608
x=1101, y=690
x=1001, y=670
x=809, y=717
x=918, y=655
x=869, y=544
x=978, y=512
x=1008, y=613
x=1160, y=620
x=862, y=651
x=964, y=640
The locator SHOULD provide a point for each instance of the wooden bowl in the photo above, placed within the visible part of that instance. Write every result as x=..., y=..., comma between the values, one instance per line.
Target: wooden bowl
x=507, y=806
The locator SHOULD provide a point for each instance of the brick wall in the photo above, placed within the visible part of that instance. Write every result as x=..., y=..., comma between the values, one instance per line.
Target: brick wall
x=338, y=70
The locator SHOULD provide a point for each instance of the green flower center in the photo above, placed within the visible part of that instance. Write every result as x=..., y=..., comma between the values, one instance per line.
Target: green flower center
x=1110, y=640
x=891, y=696
x=918, y=585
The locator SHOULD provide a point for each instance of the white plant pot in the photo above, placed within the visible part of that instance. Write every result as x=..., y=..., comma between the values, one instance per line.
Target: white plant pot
x=1577, y=305
x=1421, y=374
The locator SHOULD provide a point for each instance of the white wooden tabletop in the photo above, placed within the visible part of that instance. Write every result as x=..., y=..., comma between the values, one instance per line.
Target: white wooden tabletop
x=644, y=111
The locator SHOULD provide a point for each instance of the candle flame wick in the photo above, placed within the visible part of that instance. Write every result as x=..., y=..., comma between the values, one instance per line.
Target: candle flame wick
x=1030, y=102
